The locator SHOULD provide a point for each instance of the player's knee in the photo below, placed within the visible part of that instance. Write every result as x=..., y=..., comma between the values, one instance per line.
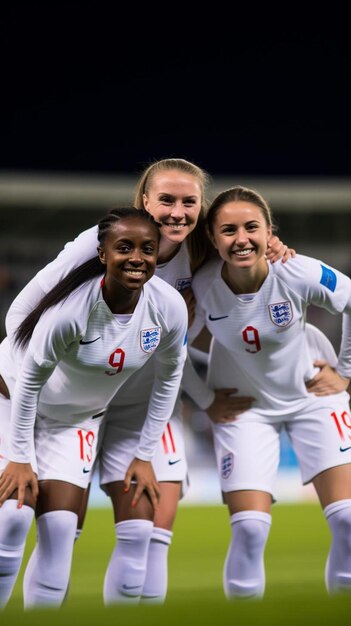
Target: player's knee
x=253, y=536
x=136, y=532
x=15, y=524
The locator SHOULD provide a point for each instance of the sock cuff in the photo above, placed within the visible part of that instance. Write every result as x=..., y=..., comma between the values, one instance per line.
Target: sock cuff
x=260, y=516
x=59, y=513
x=337, y=506
x=25, y=510
x=132, y=526
x=162, y=535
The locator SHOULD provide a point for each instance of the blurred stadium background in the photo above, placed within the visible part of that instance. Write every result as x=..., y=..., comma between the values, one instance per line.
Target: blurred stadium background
x=39, y=213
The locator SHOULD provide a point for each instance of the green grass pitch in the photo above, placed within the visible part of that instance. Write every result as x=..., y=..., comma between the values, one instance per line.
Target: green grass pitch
x=295, y=558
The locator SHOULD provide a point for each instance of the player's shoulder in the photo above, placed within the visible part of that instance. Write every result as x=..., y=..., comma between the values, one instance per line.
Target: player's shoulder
x=162, y=292
x=300, y=269
x=208, y=272
x=77, y=306
x=303, y=268
x=297, y=263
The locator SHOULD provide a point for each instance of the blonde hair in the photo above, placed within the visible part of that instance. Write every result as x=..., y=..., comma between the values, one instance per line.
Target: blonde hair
x=198, y=244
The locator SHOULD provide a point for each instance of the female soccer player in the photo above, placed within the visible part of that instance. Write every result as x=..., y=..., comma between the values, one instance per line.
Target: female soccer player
x=83, y=341
x=173, y=191
x=256, y=313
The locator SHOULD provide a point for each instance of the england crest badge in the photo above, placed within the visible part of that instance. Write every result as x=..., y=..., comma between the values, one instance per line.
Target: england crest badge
x=227, y=464
x=281, y=313
x=150, y=338
x=183, y=283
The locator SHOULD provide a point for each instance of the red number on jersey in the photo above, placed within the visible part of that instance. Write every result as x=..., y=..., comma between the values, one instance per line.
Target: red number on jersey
x=117, y=359
x=251, y=336
x=86, y=440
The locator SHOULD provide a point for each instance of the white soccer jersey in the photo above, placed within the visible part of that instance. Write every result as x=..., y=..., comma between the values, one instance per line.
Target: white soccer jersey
x=176, y=272
x=264, y=332
x=80, y=354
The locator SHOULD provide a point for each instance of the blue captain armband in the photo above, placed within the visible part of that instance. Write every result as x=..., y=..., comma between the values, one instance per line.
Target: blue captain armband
x=328, y=278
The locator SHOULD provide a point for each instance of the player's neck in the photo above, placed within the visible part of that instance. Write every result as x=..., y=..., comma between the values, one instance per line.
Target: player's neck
x=167, y=250
x=245, y=280
x=121, y=301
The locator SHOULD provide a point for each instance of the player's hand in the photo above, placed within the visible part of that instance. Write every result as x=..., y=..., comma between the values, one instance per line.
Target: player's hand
x=143, y=473
x=190, y=302
x=17, y=476
x=276, y=250
x=327, y=381
x=226, y=406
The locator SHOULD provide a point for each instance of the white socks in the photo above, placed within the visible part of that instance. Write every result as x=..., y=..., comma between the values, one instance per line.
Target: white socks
x=47, y=574
x=125, y=575
x=338, y=567
x=244, y=575
x=14, y=526
x=156, y=579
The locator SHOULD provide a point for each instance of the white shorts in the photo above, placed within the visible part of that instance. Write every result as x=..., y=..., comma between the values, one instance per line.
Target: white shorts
x=121, y=438
x=62, y=451
x=66, y=451
x=248, y=451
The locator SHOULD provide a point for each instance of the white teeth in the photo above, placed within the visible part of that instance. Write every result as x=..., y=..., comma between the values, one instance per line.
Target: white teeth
x=175, y=226
x=135, y=272
x=242, y=252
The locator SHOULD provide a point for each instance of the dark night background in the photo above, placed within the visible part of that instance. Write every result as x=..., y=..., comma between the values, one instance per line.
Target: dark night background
x=86, y=88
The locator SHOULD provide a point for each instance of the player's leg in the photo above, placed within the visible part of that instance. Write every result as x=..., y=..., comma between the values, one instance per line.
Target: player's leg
x=247, y=454
x=322, y=442
x=14, y=523
x=14, y=526
x=250, y=520
x=170, y=467
x=333, y=487
x=65, y=457
x=125, y=574
x=156, y=578
x=48, y=570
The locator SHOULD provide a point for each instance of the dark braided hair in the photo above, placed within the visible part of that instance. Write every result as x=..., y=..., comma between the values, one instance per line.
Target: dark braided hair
x=81, y=274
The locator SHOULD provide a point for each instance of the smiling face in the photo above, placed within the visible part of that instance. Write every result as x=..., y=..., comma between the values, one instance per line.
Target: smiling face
x=174, y=199
x=240, y=233
x=130, y=254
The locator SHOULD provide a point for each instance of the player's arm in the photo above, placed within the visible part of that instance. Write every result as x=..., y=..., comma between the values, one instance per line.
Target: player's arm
x=75, y=252
x=18, y=474
x=51, y=338
x=169, y=358
x=333, y=292
x=343, y=367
